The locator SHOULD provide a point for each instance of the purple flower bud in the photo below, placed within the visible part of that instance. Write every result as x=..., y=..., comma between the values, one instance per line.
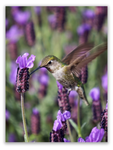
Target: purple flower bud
x=37, y=9
x=35, y=111
x=44, y=79
x=65, y=140
x=95, y=94
x=7, y=114
x=73, y=94
x=14, y=33
x=24, y=63
x=52, y=19
x=83, y=28
x=59, y=86
x=57, y=125
x=88, y=13
x=105, y=82
x=96, y=135
x=21, y=17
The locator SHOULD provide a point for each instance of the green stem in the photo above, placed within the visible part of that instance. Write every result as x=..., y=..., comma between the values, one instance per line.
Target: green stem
x=23, y=117
x=68, y=126
x=78, y=118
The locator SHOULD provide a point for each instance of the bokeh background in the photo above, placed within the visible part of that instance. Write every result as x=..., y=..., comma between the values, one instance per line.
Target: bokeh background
x=52, y=30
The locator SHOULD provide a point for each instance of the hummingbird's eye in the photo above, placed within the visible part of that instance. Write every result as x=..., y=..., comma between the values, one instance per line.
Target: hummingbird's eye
x=49, y=62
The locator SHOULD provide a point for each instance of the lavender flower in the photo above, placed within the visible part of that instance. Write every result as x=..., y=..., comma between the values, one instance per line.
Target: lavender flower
x=61, y=117
x=35, y=111
x=14, y=33
x=44, y=79
x=21, y=17
x=12, y=76
x=52, y=19
x=24, y=63
x=37, y=9
x=7, y=114
x=105, y=82
x=22, y=83
x=96, y=135
x=95, y=94
x=83, y=28
x=88, y=13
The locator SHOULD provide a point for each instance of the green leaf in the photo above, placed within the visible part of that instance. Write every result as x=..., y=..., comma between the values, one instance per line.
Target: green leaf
x=74, y=125
x=83, y=125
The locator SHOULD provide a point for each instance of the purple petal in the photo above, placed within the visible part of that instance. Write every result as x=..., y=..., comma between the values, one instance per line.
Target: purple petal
x=35, y=111
x=59, y=85
x=21, y=17
x=73, y=94
x=81, y=140
x=95, y=94
x=44, y=79
x=14, y=33
x=24, y=63
x=24, y=60
x=67, y=115
x=30, y=61
x=96, y=135
x=7, y=114
x=88, y=13
x=57, y=125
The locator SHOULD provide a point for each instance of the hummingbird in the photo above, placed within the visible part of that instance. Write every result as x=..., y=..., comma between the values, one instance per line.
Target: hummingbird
x=67, y=71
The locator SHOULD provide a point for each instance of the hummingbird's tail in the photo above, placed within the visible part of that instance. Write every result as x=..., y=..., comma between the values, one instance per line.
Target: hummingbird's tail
x=81, y=92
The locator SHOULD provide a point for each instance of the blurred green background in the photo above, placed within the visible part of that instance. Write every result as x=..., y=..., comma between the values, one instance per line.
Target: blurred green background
x=53, y=31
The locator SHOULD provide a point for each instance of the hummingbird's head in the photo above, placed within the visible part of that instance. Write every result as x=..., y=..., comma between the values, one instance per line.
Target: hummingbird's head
x=51, y=63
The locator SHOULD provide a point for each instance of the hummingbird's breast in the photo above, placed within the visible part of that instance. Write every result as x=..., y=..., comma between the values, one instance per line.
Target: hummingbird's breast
x=64, y=77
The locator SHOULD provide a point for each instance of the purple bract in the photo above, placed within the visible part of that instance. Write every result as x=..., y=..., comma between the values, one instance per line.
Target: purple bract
x=24, y=63
x=96, y=135
x=21, y=17
x=105, y=82
x=83, y=28
x=88, y=13
x=14, y=33
x=59, y=85
x=95, y=93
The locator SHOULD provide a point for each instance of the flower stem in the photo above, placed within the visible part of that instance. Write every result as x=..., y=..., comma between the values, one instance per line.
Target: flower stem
x=23, y=117
x=68, y=126
x=78, y=118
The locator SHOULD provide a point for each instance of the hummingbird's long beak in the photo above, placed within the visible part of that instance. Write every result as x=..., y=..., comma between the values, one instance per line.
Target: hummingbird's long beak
x=35, y=70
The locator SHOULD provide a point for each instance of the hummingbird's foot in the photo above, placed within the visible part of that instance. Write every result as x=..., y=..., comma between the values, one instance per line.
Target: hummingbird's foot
x=81, y=94
x=68, y=91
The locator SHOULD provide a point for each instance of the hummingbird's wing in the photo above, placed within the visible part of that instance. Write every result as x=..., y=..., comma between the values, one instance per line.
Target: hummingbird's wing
x=76, y=66
x=80, y=50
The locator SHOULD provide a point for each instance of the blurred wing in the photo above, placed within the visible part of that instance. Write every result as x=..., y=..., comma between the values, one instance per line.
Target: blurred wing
x=80, y=50
x=82, y=61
